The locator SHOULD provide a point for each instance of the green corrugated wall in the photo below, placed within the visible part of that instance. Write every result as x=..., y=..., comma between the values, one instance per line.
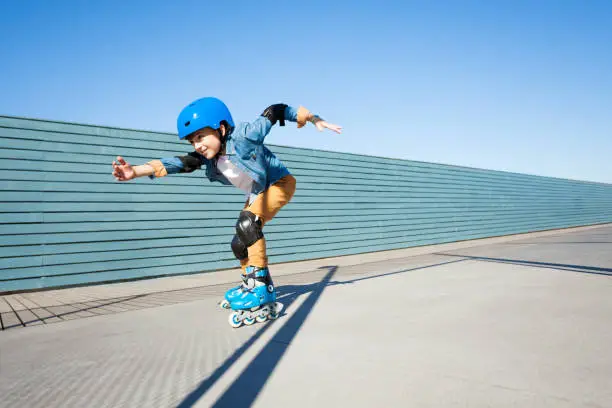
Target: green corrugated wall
x=64, y=220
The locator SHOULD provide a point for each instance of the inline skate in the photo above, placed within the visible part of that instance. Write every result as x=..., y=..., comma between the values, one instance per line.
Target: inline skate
x=254, y=300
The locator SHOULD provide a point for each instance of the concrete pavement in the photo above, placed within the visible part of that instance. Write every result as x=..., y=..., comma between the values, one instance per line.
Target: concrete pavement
x=521, y=321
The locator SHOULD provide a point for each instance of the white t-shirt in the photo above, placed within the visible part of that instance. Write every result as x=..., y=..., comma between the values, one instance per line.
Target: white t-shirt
x=234, y=175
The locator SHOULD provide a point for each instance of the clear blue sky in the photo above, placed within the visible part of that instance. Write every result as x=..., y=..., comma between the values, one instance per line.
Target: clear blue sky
x=523, y=86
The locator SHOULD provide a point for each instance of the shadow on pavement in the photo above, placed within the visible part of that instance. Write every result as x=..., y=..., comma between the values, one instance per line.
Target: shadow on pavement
x=557, y=242
x=595, y=270
x=243, y=391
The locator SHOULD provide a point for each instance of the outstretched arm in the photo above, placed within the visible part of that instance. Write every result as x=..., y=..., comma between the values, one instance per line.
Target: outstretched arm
x=259, y=129
x=280, y=112
x=123, y=171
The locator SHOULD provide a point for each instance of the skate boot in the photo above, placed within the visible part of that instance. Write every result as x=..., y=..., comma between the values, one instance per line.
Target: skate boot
x=257, y=302
x=233, y=293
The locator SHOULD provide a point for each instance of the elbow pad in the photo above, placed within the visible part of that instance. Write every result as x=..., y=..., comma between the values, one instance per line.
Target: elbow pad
x=191, y=162
x=275, y=113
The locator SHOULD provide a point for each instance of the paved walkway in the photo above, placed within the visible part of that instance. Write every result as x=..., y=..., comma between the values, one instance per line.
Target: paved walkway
x=514, y=321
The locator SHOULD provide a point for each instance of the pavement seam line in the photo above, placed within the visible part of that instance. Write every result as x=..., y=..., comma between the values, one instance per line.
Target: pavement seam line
x=13, y=309
x=43, y=308
x=29, y=310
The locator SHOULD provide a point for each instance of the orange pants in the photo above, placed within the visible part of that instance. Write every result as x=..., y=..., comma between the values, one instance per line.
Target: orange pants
x=266, y=206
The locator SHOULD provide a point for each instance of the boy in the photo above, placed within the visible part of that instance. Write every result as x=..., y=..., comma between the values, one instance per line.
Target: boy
x=236, y=155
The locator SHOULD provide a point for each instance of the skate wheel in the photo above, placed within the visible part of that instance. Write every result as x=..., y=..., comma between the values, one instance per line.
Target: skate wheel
x=234, y=320
x=224, y=304
x=249, y=321
x=262, y=314
x=276, y=310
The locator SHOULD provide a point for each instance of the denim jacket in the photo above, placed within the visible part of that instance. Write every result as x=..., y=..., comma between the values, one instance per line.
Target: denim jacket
x=245, y=149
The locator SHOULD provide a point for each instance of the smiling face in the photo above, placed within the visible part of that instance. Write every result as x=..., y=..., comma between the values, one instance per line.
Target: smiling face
x=206, y=141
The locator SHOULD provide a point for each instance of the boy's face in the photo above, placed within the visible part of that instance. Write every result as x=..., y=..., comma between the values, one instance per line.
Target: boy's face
x=206, y=142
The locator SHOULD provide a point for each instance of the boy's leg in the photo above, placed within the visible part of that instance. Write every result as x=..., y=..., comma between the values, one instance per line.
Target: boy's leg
x=249, y=246
x=265, y=207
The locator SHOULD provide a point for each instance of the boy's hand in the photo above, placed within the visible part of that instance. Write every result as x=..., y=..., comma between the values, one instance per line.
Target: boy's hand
x=322, y=125
x=122, y=171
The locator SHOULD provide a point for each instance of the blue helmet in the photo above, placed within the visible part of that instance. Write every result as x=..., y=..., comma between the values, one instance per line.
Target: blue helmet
x=202, y=113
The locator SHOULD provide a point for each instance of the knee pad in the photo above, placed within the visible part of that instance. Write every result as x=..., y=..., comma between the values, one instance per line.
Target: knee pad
x=248, y=228
x=240, y=250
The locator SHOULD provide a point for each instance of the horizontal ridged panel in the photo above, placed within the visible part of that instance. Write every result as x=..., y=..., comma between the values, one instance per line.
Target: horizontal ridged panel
x=64, y=220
